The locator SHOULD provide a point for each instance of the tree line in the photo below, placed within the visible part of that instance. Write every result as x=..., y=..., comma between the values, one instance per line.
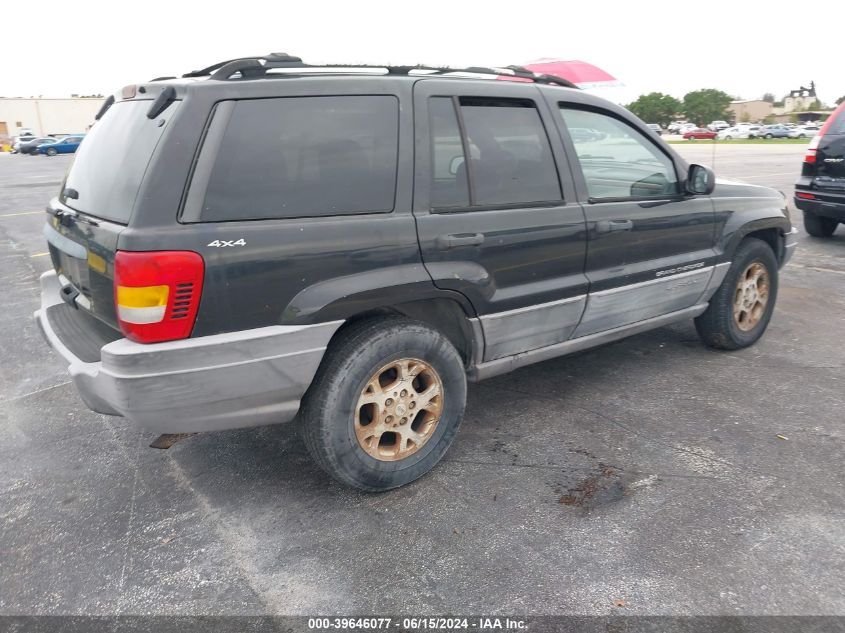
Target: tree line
x=699, y=107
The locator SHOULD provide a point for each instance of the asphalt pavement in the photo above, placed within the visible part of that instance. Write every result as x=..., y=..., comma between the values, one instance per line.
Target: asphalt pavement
x=652, y=473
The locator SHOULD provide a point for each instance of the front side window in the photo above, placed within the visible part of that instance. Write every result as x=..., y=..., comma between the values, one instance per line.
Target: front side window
x=305, y=156
x=617, y=160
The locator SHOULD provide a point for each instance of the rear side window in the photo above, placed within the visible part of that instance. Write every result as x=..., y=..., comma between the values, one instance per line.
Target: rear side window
x=304, y=156
x=112, y=159
x=510, y=156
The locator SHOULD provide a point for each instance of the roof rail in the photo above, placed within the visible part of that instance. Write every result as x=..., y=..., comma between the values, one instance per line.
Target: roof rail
x=254, y=67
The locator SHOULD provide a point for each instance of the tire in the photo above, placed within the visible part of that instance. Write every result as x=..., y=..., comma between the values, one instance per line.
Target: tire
x=719, y=326
x=332, y=416
x=800, y=136
x=51, y=152
x=818, y=226
x=768, y=136
x=727, y=138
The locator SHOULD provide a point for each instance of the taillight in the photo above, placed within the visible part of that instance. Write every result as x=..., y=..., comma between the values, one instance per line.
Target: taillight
x=805, y=196
x=157, y=293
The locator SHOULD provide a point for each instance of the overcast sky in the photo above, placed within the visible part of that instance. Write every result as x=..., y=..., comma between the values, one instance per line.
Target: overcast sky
x=744, y=47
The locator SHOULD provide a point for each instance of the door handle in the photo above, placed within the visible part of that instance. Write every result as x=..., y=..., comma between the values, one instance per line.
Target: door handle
x=459, y=239
x=609, y=226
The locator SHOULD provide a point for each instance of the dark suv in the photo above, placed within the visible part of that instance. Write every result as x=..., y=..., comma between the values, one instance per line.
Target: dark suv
x=820, y=191
x=264, y=237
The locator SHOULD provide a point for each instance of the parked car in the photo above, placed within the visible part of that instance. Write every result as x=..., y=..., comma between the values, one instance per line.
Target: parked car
x=656, y=127
x=718, y=126
x=216, y=268
x=686, y=127
x=31, y=146
x=776, y=130
x=820, y=191
x=67, y=145
x=699, y=133
x=804, y=131
x=585, y=134
x=675, y=126
x=25, y=137
x=737, y=132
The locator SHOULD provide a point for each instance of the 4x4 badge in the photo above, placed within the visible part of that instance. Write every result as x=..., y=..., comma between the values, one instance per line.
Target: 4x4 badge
x=223, y=243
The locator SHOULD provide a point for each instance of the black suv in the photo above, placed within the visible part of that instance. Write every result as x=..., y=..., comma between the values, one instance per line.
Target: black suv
x=264, y=237
x=820, y=191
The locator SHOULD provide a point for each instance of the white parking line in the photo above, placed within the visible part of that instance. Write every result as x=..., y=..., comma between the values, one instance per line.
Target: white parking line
x=788, y=173
x=11, y=215
x=817, y=268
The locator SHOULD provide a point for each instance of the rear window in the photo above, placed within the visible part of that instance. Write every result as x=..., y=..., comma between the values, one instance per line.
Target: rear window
x=110, y=163
x=301, y=156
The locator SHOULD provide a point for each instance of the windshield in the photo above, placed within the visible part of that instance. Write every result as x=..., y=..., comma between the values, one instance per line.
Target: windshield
x=109, y=165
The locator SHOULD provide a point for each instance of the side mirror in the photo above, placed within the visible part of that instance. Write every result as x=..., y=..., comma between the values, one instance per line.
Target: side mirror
x=700, y=180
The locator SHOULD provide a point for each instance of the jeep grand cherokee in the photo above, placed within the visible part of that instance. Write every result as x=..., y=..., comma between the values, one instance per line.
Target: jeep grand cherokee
x=263, y=238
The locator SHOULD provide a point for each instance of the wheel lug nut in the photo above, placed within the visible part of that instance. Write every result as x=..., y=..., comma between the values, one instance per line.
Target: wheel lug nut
x=404, y=393
x=388, y=402
x=413, y=404
x=389, y=419
x=403, y=420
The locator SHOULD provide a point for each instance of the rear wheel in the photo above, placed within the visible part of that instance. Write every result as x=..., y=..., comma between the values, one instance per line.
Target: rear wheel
x=768, y=136
x=818, y=226
x=385, y=405
x=740, y=310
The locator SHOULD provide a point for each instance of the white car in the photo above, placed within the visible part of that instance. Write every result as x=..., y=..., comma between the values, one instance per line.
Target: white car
x=718, y=126
x=739, y=131
x=804, y=131
x=686, y=127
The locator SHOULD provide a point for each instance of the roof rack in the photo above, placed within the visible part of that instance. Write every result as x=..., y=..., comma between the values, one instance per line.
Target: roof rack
x=255, y=67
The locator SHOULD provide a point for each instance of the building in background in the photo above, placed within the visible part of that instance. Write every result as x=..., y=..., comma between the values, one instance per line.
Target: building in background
x=46, y=116
x=752, y=111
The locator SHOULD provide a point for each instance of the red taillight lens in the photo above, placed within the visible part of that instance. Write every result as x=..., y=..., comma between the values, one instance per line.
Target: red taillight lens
x=157, y=293
x=806, y=196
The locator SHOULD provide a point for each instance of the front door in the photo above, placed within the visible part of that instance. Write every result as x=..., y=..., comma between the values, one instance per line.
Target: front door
x=650, y=246
x=496, y=212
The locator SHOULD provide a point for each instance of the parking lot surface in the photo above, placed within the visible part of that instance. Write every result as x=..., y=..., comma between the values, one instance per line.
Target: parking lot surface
x=651, y=473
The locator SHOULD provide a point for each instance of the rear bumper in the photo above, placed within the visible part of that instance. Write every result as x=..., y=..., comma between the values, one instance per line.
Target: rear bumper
x=826, y=205
x=210, y=383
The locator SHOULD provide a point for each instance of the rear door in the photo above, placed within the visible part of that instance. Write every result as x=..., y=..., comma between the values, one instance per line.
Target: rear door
x=650, y=248
x=495, y=209
x=96, y=201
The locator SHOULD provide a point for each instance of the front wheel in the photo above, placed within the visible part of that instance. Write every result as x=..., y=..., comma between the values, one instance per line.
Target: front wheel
x=740, y=310
x=51, y=152
x=768, y=136
x=818, y=226
x=385, y=405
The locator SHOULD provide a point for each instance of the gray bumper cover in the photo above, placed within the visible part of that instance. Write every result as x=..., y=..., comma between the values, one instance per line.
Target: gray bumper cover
x=790, y=241
x=209, y=383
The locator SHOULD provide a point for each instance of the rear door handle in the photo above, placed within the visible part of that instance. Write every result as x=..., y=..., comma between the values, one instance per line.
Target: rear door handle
x=459, y=239
x=608, y=226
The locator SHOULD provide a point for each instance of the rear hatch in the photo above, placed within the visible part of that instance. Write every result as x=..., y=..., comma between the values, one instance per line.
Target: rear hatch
x=96, y=201
x=830, y=155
